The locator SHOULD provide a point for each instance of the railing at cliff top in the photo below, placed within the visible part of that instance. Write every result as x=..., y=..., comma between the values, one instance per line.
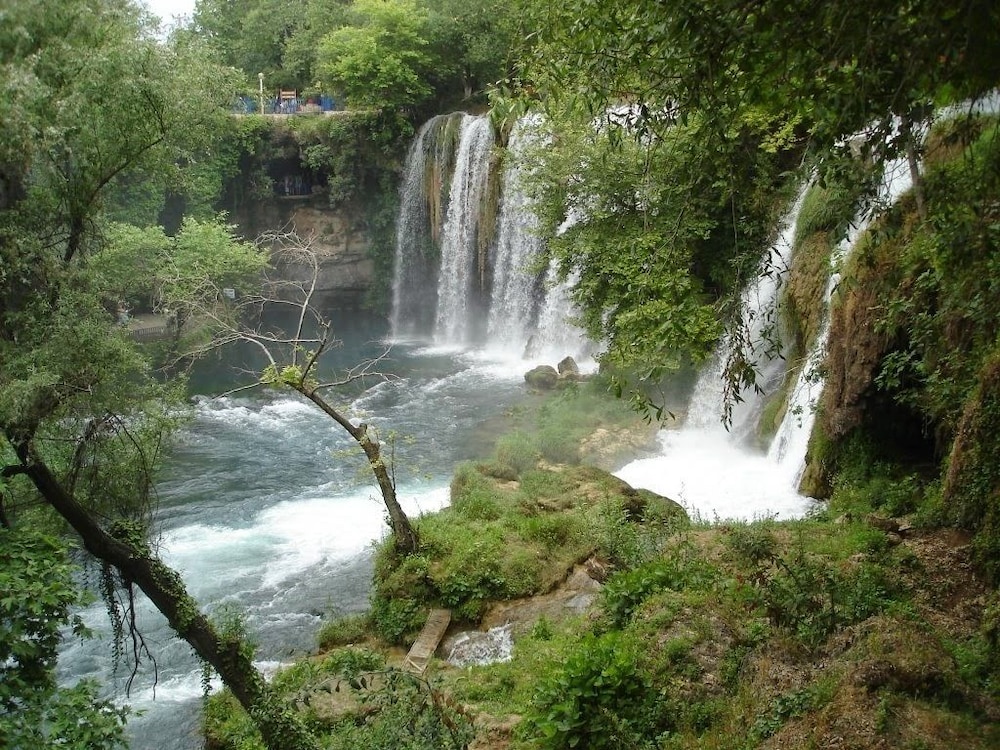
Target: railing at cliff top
x=323, y=104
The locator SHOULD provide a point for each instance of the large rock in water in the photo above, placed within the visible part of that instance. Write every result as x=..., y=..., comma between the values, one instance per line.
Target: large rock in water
x=568, y=369
x=543, y=377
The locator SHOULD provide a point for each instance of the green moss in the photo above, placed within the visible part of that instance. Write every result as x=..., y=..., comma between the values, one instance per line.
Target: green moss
x=827, y=208
x=971, y=488
x=805, y=307
x=343, y=631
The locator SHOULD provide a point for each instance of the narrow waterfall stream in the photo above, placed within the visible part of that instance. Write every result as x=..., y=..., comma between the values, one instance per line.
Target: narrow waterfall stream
x=710, y=470
x=706, y=467
x=788, y=448
x=516, y=282
x=460, y=243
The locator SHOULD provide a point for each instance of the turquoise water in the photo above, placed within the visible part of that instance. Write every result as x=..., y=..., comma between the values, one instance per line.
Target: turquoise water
x=266, y=508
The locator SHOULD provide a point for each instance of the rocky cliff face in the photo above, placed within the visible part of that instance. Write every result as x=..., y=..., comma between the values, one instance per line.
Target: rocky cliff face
x=339, y=236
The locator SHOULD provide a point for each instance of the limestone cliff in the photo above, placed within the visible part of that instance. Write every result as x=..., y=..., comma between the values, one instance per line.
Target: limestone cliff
x=339, y=235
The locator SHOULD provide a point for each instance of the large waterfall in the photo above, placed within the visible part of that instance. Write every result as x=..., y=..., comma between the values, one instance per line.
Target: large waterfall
x=479, y=276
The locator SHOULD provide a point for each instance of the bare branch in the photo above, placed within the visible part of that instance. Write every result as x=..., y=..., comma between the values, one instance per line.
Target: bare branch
x=363, y=370
x=294, y=359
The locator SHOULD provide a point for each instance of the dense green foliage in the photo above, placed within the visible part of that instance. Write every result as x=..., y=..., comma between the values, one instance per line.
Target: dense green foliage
x=38, y=593
x=726, y=637
x=921, y=308
x=670, y=132
x=419, y=55
x=352, y=699
x=680, y=118
x=93, y=105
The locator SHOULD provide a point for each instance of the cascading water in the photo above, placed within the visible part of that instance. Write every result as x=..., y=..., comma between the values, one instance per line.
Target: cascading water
x=758, y=325
x=788, y=448
x=516, y=286
x=704, y=466
x=712, y=475
x=527, y=310
x=460, y=243
x=418, y=226
x=555, y=335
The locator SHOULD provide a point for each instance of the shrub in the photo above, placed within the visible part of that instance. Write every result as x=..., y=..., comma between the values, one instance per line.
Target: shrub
x=784, y=708
x=397, y=618
x=810, y=598
x=405, y=712
x=627, y=590
x=598, y=699
x=753, y=543
x=559, y=445
x=477, y=504
x=517, y=451
x=343, y=631
x=627, y=544
x=552, y=531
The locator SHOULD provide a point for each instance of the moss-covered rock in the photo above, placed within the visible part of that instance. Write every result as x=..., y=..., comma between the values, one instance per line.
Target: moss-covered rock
x=971, y=487
x=543, y=377
x=806, y=291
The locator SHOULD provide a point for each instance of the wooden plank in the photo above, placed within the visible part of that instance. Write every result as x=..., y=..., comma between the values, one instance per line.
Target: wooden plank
x=428, y=641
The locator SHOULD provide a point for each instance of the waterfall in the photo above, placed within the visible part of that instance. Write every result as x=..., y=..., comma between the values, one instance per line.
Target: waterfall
x=758, y=321
x=701, y=464
x=425, y=177
x=516, y=284
x=556, y=336
x=788, y=448
x=460, y=242
x=443, y=234
x=707, y=469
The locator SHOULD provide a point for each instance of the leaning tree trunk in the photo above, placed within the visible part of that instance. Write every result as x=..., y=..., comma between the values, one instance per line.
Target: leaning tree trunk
x=281, y=730
x=405, y=536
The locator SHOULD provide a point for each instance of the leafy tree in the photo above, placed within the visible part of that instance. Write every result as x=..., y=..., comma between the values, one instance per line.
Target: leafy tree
x=314, y=21
x=38, y=592
x=381, y=59
x=91, y=96
x=248, y=34
x=473, y=40
x=724, y=96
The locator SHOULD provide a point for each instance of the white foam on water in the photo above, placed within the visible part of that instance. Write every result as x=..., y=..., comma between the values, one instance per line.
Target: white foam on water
x=280, y=415
x=476, y=648
x=287, y=539
x=713, y=478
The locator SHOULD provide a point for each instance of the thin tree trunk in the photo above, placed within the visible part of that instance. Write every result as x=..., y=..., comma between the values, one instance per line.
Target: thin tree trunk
x=913, y=161
x=281, y=730
x=405, y=536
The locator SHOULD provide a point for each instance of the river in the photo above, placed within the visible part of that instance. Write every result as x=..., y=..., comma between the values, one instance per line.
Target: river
x=267, y=509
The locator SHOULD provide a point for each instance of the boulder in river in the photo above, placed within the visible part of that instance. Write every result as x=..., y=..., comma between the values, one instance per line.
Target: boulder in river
x=543, y=377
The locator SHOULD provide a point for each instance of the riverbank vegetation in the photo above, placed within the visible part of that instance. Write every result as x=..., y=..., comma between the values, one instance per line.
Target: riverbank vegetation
x=862, y=625
x=673, y=135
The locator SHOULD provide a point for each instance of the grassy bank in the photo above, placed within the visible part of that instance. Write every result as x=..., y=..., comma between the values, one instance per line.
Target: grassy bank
x=853, y=628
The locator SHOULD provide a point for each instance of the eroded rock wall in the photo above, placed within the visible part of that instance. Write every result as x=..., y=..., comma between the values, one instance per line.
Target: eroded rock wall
x=339, y=236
